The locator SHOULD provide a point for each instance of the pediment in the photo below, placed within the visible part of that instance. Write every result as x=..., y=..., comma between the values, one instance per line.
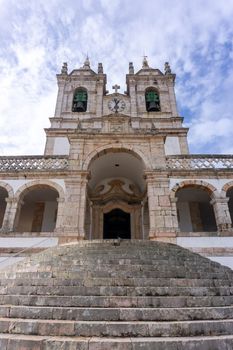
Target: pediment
x=82, y=71
x=147, y=71
x=118, y=94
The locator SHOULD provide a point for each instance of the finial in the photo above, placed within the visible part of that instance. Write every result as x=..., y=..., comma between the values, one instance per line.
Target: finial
x=100, y=68
x=131, y=68
x=145, y=62
x=167, y=68
x=64, y=69
x=87, y=63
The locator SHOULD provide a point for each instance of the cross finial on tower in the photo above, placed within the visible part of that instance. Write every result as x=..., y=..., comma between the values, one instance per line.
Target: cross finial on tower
x=116, y=87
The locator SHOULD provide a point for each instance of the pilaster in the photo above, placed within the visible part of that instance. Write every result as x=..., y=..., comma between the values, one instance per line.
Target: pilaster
x=133, y=98
x=71, y=212
x=61, y=86
x=162, y=212
x=172, y=96
x=222, y=214
x=10, y=215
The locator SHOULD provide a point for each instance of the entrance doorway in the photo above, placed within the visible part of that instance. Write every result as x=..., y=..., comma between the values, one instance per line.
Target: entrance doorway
x=117, y=224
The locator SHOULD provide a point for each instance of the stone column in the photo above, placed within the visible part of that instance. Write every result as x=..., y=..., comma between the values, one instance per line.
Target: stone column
x=91, y=219
x=162, y=212
x=142, y=220
x=72, y=211
x=222, y=214
x=60, y=211
x=10, y=216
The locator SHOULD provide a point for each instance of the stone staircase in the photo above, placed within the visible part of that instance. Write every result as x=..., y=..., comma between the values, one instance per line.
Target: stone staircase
x=127, y=295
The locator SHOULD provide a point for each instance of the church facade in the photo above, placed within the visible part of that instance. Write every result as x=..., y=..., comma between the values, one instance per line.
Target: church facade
x=116, y=166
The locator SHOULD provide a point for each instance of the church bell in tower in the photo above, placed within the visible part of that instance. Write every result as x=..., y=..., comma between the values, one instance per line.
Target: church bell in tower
x=152, y=101
x=79, y=101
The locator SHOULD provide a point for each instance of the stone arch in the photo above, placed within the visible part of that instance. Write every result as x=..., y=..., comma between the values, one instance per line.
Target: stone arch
x=210, y=189
x=116, y=147
x=227, y=191
x=227, y=186
x=28, y=186
x=37, y=208
x=8, y=188
x=195, y=212
x=6, y=192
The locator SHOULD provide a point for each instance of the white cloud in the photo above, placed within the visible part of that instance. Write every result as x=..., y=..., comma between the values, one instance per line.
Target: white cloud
x=39, y=36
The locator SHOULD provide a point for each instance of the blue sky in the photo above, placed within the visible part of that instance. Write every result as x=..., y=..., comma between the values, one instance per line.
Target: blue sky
x=195, y=36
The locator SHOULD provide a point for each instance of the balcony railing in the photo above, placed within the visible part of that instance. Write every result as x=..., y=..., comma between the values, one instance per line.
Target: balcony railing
x=200, y=161
x=33, y=163
x=54, y=163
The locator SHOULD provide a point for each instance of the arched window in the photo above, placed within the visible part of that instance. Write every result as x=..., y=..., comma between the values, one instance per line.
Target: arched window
x=152, y=100
x=79, y=100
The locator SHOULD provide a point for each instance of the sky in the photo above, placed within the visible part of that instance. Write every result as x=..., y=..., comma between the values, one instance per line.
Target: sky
x=37, y=36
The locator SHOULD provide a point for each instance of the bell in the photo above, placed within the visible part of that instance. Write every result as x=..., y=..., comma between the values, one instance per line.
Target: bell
x=79, y=107
x=153, y=106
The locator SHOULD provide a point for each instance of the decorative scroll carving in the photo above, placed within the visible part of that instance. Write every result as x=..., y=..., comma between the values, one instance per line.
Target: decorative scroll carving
x=193, y=162
x=33, y=163
x=116, y=190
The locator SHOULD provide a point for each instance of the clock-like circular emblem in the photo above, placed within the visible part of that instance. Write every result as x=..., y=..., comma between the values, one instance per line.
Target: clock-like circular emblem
x=116, y=105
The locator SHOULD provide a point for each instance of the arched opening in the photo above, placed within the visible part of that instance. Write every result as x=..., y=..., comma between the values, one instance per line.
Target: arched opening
x=38, y=209
x=230, y=202
x=117, y=225
x=195, y=213
x=152, y=100
x=116, y=196
x=80, y=100
x=3, y=196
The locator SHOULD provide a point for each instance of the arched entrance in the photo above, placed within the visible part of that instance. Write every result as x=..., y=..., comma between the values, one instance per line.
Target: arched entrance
x=116, y=196
x=117, y=225
x=38, y=209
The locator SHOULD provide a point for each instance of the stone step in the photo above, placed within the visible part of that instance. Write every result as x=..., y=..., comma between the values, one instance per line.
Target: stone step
x=136, y=295
x=116, y=314
x=30, y=342
x=117, y=281
x=116, y=329
x=116, y=301
x=117, y=290
x=144, y=259
x=137, y=273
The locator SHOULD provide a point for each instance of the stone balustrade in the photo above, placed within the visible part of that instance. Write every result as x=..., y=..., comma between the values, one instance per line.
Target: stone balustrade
x=200, y=161
x=33, y=163
x=52, y=163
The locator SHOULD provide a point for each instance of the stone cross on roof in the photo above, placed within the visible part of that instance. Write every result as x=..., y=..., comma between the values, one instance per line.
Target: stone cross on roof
x=116, y=87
